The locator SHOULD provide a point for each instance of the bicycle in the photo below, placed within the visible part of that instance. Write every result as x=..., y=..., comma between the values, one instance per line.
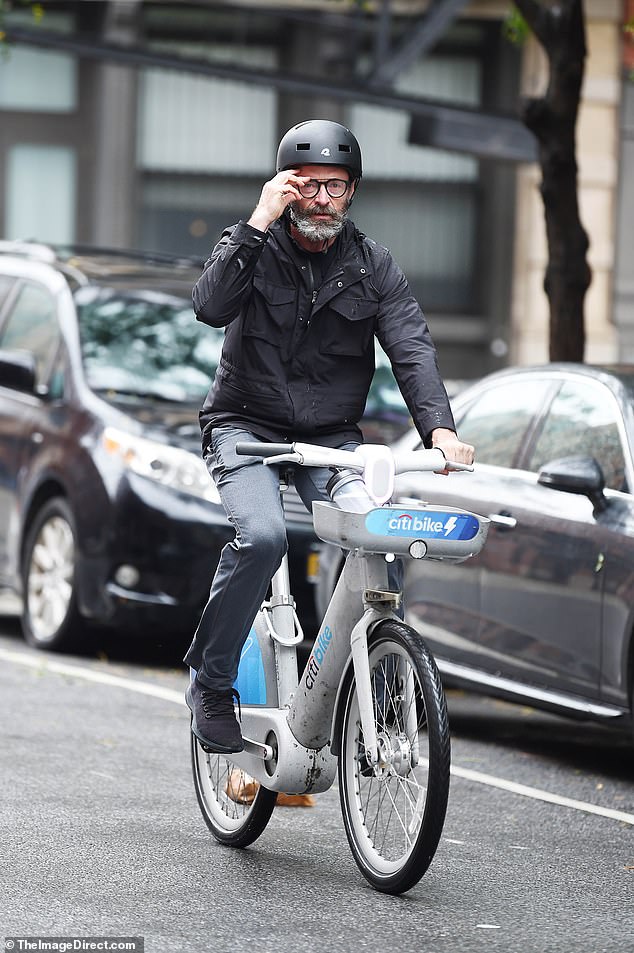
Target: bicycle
x=369, y=705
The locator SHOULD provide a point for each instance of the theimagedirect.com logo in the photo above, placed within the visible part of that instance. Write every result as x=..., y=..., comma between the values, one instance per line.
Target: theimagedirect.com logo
x=60, y=944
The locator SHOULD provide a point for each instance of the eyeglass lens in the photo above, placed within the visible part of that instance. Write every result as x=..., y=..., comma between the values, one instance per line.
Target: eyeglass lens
x=335, y=188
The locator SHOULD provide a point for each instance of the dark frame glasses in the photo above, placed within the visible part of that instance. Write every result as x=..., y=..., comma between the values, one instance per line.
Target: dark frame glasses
x=336, y=188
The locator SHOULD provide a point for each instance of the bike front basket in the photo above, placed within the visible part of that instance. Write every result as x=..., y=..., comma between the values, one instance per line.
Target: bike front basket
x=419, y=530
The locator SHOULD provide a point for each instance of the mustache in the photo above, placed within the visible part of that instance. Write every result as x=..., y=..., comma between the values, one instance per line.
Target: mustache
x=319, y=210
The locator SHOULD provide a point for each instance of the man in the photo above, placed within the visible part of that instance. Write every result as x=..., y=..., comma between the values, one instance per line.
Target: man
x=301, y=293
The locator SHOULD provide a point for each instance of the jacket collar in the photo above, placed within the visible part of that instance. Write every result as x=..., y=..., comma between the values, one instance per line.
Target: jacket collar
x=350, y=266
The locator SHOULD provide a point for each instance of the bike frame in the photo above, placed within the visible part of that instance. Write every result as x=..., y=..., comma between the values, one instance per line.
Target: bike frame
x=290, y=740
x=303, y=723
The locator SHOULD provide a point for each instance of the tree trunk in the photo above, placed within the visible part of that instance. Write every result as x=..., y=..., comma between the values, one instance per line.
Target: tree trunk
x=560, y=31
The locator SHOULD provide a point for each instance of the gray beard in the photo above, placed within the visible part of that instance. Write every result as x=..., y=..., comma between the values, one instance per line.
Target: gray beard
x=317, y=231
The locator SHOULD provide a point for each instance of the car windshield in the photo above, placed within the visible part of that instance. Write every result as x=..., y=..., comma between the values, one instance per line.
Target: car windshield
x=145, y=343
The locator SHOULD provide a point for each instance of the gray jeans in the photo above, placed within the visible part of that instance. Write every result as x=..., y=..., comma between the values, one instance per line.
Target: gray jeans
x=250, y=494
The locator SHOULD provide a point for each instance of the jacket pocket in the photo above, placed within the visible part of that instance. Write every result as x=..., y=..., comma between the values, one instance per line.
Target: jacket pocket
x=271, y=312
x=242, y=394
x=347, y=326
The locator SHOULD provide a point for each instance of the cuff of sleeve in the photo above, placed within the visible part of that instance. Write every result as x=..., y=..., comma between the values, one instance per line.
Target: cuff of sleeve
x=246, y=234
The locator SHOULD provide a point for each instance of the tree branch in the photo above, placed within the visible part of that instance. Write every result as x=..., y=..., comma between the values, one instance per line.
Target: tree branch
x=540, y=20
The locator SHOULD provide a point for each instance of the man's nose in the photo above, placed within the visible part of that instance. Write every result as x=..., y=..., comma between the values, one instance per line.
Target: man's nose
x=322, y=197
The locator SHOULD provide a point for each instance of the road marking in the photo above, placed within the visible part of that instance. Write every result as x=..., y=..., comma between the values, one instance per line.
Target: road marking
x=538, y=795
x=90, y=675
x=170, y=695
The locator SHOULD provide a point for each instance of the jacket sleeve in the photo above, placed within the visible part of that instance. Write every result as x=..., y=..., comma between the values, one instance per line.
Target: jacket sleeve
x=404, y=336
x=227, y=278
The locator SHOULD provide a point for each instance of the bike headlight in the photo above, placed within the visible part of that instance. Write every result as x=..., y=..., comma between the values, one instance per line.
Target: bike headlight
x=171, y=466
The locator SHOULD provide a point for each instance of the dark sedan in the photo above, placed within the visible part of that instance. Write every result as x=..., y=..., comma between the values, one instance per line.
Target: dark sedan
x=107, y=512
x=545, y=613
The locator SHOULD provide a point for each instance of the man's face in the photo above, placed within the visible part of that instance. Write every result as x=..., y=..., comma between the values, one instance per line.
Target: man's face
x=321, y=217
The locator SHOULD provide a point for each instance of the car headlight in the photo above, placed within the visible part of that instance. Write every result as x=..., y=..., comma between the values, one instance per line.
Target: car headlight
x=170, y=466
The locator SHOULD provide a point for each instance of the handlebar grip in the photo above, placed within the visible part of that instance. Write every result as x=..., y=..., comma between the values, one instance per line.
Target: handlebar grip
x=420, y=461
x=259, y=449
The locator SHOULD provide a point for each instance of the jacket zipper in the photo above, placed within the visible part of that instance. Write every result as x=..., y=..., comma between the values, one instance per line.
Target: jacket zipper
x=313, y=292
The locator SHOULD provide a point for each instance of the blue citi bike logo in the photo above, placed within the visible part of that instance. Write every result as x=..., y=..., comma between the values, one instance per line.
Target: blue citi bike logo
x=429, y=525
x=319, y=650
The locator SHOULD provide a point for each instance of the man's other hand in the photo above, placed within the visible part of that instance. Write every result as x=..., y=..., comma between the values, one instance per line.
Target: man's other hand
x=453, y=448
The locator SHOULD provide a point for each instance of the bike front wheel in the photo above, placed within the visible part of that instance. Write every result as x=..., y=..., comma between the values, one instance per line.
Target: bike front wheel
x=236, y=808
x=394, y=811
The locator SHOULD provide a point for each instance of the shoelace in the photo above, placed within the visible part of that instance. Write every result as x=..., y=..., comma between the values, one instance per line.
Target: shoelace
x=219, y=703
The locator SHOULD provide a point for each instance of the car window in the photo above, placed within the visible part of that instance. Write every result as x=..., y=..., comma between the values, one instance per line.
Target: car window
x=6, y=283
x=32, y=326
x=497, y=421
x=146, y=343
x=582, y=420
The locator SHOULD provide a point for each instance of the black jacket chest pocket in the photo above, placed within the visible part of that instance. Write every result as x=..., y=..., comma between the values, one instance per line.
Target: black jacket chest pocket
x=347, y=326
x=271, y=312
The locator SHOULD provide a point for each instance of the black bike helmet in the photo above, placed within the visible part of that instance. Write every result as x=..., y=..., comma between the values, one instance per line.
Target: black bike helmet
x=320, y=142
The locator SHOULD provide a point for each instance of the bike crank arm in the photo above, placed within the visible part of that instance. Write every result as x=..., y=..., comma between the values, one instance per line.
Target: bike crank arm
x=257, y=748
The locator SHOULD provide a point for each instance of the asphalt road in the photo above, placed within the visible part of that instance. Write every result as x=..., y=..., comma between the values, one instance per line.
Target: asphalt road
x=100, y=833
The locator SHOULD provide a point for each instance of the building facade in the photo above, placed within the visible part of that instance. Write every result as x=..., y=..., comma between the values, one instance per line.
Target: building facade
x=168, y=139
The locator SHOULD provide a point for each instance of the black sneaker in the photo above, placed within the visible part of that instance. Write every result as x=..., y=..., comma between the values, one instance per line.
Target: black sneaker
x=214, y=719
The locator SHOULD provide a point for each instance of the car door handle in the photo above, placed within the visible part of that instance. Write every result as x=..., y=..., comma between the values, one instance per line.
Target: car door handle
x=503, y=520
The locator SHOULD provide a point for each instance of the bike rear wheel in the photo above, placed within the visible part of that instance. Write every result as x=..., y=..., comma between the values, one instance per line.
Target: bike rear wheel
x=394, y=812
x=236, y=809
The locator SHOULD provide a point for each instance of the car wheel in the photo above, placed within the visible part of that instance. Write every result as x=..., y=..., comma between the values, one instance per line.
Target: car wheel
x=50, y=619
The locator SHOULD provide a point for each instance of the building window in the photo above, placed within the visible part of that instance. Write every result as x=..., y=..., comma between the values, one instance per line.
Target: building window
x=205, y=125
x=38, y=80
x=423, y=203
x=40, y=191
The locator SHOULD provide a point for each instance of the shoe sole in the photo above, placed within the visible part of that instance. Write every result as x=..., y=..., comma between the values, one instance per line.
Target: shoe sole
x=211, y=747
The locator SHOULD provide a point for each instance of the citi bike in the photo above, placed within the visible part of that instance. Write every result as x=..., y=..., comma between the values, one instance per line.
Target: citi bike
x=369, y=706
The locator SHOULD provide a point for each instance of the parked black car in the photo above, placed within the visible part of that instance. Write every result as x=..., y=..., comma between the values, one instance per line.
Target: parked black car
x=545, y=613
x=107, y=512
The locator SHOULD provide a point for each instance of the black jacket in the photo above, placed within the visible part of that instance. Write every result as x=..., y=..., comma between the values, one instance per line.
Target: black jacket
x=298, y=355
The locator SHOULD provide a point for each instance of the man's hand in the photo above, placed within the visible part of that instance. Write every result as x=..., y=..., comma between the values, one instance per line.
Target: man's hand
x=452, y=447
x=279, y=192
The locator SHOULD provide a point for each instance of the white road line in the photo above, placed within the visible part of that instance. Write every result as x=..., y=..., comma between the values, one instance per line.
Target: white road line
x=91, y=675
x=525, y=791
x=167, y=694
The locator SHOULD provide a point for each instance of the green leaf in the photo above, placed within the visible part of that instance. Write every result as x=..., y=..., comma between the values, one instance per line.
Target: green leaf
x=515, y=28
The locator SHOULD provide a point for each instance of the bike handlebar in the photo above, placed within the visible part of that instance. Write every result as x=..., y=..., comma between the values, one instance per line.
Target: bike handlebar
x=307, y=454
x=258, y=449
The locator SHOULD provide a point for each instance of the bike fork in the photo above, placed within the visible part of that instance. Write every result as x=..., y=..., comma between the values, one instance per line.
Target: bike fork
x=363, y=678
x=361, y=665
x=378, y=602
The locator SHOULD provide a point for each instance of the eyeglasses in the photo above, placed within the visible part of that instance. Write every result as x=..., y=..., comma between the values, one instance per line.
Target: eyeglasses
x=336, y=188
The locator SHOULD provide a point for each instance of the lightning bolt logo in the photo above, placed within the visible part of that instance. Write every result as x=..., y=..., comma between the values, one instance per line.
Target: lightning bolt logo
x=450, y=524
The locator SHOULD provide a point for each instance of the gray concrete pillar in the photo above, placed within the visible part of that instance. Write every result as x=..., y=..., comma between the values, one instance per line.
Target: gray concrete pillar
x=115, y=99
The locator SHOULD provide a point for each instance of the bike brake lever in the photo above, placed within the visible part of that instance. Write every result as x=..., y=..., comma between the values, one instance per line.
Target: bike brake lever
x=293, y=457
x=453, y=465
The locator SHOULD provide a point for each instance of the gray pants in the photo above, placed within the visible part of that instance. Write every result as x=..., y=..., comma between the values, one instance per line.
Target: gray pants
x=250, y=494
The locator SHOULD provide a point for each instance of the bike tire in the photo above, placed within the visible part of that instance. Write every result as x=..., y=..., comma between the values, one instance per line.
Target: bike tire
x=394, y=814
x=221, y=790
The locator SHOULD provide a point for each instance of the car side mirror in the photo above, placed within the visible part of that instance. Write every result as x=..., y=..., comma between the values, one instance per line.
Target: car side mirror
x=581, y=475
x=18, y=371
